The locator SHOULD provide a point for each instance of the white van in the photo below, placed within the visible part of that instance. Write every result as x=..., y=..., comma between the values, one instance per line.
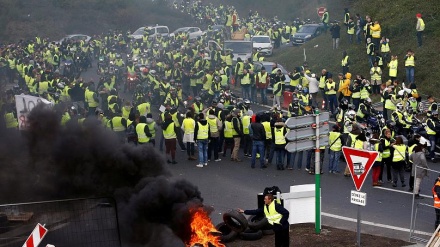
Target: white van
x=151, y=30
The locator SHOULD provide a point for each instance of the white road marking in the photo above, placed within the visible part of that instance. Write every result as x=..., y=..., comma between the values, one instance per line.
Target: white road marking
x=400, y=191
x=375, y=224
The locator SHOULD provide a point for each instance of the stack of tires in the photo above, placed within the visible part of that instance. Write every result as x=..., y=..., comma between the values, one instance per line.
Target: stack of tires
x=235, y=225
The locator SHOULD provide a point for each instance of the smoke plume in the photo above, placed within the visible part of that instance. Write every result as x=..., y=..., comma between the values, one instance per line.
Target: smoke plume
x=49, y=161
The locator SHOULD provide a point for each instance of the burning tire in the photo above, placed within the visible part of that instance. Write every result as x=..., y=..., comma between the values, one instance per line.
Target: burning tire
x=235, y=220
x=257, y=222
x=250, y=234
x=228, y=235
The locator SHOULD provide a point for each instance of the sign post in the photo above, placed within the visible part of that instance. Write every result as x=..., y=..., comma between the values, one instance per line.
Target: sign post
x=359, y=163
x=321, y=11
x=306, y=133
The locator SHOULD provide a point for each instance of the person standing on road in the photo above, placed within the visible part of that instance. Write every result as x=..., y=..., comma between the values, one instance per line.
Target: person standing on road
x=278, y=217
x=334, y=149
x=201, y=135
x=378, y=164
x=278, y=132
x=258, y=135
x=420, y=27
x=170, y=137
x=262, y=82
x=435, y=195
x=215, y=126
x=400, y=153
x=188, y=126
x=418, y=162
x=237, y=133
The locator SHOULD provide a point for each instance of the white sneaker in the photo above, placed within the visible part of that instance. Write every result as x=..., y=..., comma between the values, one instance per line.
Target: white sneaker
x=206, y=164
x=218, y=160
x=200, y=165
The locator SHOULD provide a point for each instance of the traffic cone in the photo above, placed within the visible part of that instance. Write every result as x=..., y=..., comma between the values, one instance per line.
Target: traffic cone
x=323, y=105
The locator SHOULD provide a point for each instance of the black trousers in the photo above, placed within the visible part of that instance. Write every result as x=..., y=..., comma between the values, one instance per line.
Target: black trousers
x=437, y=218
x=282, y=238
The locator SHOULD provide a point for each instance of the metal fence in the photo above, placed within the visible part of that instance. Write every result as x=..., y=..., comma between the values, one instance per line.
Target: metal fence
x=88, y=222
x=423, y=212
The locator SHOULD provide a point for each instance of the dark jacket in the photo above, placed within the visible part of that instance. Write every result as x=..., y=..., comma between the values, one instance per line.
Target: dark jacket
x=258, y=132
x=196, y=129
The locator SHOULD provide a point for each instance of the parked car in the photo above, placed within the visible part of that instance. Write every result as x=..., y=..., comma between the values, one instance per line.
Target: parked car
x=151, y=30
x=75, y=38
x=263, y=44
x=270, y=67
x=194, y=32
x=306, y=33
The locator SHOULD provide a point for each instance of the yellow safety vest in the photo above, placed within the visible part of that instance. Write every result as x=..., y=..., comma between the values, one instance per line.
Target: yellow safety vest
x=140, y=131
x=393, y=68
x=385, y=47
x=188, y=125
x=152, y=129
x=409, y=62
x=330, y=85
x=144, y=108
x=376, y=76
x=267, y=129
x=246, y=122
x=429, y=131
x=246, y=80
x=344, y=61
x=389, y=105
x=169, y=132
x=335, y=141
x=322, y=81
x=202, y=133
x=228, y=129
x=364, y=93
x=279, y=136
x=399, y=152
x=198, y=109
x=386, y=152
x=295, y=83
x=90, y=99
x=117, y=124
x=272, y=216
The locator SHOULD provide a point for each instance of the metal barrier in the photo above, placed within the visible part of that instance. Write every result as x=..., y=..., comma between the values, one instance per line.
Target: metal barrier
x=85, y=222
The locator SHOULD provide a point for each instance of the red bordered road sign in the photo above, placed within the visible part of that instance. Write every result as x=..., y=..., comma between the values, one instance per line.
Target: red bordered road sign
x=359, y=162
x=321, y=11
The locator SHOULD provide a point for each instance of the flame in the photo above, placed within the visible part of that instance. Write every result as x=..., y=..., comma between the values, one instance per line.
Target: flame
x=202, y=229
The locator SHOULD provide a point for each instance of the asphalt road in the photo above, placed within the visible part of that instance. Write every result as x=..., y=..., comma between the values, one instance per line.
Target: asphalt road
x=229, y=185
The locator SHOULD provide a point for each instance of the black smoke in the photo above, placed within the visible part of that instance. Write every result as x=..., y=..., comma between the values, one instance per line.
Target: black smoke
x=49, y=161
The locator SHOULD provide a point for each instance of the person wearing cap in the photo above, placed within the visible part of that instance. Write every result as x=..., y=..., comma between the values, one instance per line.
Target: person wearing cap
x=420, y=27
x=262, y=80
x=344, y=87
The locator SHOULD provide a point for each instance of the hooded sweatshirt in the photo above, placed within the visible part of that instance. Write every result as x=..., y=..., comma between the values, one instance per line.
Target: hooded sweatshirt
x=218, y=123
x=344, y=87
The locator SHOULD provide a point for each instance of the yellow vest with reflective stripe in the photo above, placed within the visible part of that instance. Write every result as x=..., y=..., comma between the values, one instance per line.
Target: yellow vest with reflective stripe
x=140, y=131
x=409, y=62
x=198, y=109
x=213, y=128
x=399, y=152
x=322, y=82
x=364, y=93
x=151, y=128
x=144, y=108
x=246, y=121
x=279, y=136
x=228, y=129
x=271, y=214
x=389, y=105
x=385, y=47
x=267, y=129
x=126, y=112
x=246, y=80
x=430, y=131
x=295, y=83
x=330, y=85
x=262, y=78
x=202, y=133
x=169, y=132
x=376, y=76
x=386, y=152
x=393, y=68
x=335, y=141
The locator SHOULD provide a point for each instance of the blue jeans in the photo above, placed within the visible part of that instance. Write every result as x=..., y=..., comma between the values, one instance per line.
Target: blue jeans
x=334, y=161
x=333, y=102
x=292, y=156
x=203, y=151
x=432, y=140
x=246, y=91
x=253, y=94
x=263, y=92
x=371, y=60
x=409, y=74
x=280, y=157
x=257, y=146
x=309, y=157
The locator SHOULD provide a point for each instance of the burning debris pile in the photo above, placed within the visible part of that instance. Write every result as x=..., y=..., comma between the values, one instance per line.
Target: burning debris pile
x=51, y=162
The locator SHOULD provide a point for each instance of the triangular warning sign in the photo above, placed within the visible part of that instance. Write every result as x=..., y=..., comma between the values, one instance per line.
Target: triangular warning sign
x=359, y=162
